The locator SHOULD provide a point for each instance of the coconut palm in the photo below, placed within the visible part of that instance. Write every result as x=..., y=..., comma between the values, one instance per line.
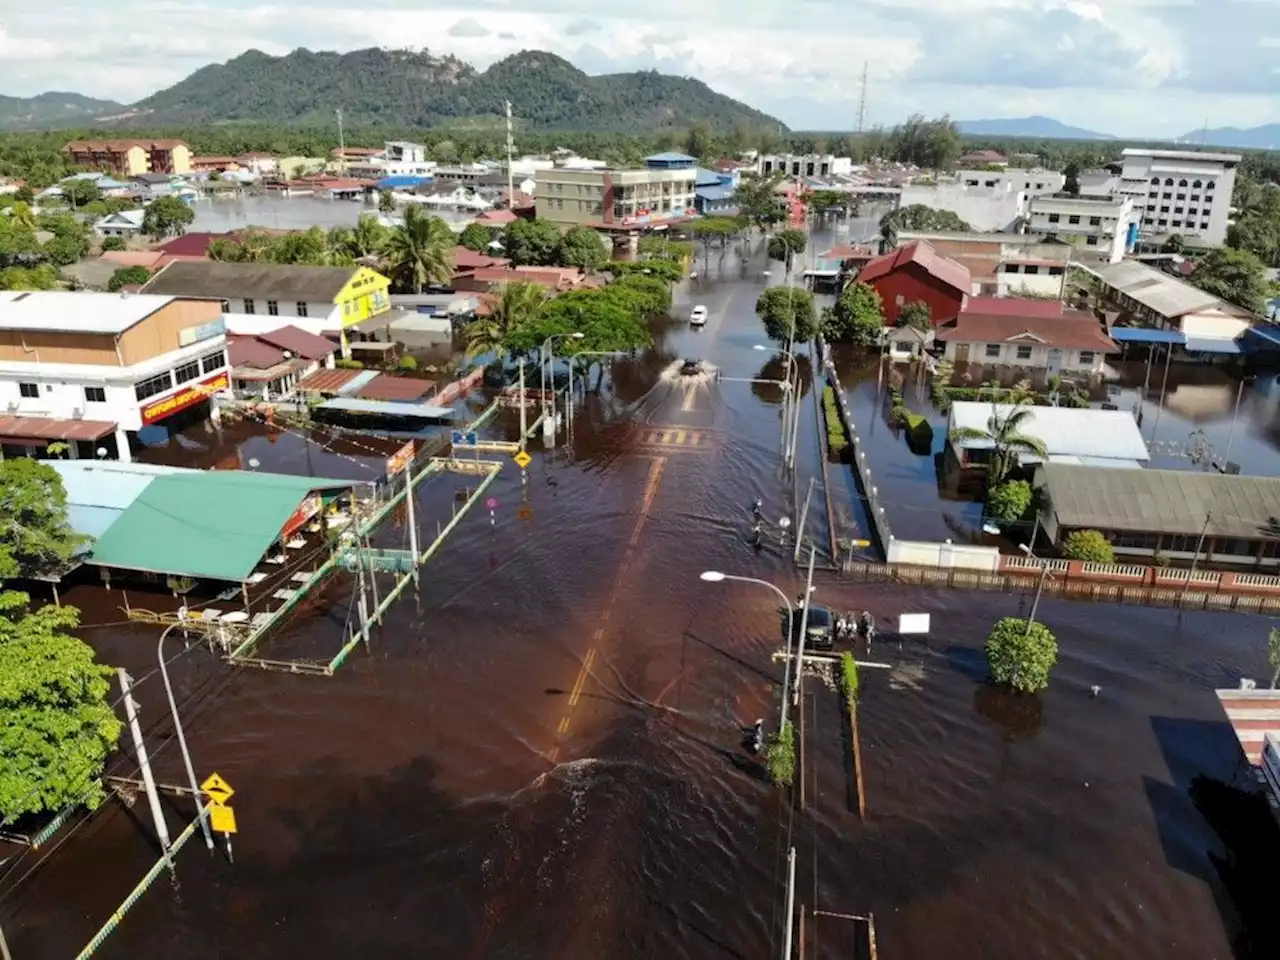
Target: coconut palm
x=517, y=305
x=420, y=251
x=368, y=238
x=1007, y=440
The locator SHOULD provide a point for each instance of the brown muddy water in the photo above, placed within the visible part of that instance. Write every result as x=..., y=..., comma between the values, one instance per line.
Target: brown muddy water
x=540, y=755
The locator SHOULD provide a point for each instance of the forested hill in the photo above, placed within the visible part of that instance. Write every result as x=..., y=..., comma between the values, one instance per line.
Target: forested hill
x=51, y=110
x=406, y=88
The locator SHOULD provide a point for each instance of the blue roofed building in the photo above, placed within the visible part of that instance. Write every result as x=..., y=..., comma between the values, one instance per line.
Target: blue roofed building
x=402, y=182
x=714, y=193
x=670, y=161
x=99, y=491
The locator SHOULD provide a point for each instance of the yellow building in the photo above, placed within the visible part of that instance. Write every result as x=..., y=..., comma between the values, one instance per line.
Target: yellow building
x=261, y=297
x=130, y=158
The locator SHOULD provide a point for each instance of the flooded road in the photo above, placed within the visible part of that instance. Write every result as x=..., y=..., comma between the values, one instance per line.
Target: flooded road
x=540, y=756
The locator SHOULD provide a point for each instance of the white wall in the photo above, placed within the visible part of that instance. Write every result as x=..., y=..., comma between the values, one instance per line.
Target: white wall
x=985, y=210
x=1033, y=183
x=320, y=317
x=943, y=555
x=1067, y=360
x=1139, y=171
x=1013, y=282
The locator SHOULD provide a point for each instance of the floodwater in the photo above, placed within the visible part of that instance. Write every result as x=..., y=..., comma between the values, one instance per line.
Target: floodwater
x=218, y=215
x=540, y=754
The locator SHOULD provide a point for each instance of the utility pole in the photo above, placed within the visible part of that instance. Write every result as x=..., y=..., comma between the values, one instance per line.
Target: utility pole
x=804, y=514
x=1208, y=518
x=148, y=782
x=524, y=416
x=182, y=737
x=412, y=520
x=511, y=180
x=804, y=628
x=4, y=948
x=791, y=904
x=342, y=143
x=362, y=603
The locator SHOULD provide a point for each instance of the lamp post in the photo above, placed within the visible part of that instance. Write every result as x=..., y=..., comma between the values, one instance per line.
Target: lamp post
x=715, y=576
x=787, y=397
x=1044, y=573
x=546, y=354
x=182, y=739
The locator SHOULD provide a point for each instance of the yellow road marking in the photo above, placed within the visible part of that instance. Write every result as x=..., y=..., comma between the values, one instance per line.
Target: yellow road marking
x=564, y=724
x=582, y=677
x=680, y=437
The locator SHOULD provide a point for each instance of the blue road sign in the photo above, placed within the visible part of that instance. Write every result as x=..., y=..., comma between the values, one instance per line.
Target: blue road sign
x=464, y=439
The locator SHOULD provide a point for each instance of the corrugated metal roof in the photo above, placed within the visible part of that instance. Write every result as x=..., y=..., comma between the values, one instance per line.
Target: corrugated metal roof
x=426, y=411
x=98, y=491
x=329, y=381
x=1163, y=501
x=919, y=252
x=1220, y=345
x=283, y=282
x=1167, y=296
x=1145, y=335
x=1252, y=715
x=211, y=524
x=400, y=389
x=24, y=429
x=76, y=312
x=1065, y=431
x=299, y=342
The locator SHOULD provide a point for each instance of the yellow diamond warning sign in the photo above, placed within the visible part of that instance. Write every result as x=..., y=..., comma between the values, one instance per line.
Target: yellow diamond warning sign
x=523, y=459
x=217, y=789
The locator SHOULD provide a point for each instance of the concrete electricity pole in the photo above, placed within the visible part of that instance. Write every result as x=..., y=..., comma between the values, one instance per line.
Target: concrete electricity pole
x=511, y=146
x=144, y=763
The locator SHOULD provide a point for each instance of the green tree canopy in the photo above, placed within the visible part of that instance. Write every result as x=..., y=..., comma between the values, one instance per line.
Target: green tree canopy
x=918, y=218
x=515, y=312
x=113, y=243
x=758, y=202
x=531, y=243
x=476, y=236
x=786, y=244
x=127, y=276
x=916, y=313
x=167, y=217
x=933, y=144
x=66, y=249
x=420, y=251
x=1007, y=440
x=1021, y=656
x=1236, y=276
x=79, y=193
x=785, y=309
x=1008, y=501
x=1273, y=655
x=34, y=532
x=1088, y=545
x=583, y=248
x=857, y=317
x=667, y=270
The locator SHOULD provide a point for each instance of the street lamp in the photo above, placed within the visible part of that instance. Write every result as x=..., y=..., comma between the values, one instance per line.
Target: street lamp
x=1044, y=573
x=546, y=354
x=787, y=396
x=182, y=740
x=715, y=576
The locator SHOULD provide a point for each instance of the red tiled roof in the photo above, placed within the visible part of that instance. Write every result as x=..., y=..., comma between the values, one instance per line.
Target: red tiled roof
x=1013, y=307
x=133, y=258
x=192, y=244
x=21, y=430
x=80, y=145
x=987, y=156
x=354, y=151
x=328, y=381
x=553, y=277
x=727, y=165
x=252, y=352
x=847, y=251
x=299, y=342
x=1073, y=330
x=923, y=255
x=464, y=258
x=406, y=389
x=496, y=218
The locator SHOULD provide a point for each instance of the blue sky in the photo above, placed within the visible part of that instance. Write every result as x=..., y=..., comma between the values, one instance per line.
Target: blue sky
x=1130, y=67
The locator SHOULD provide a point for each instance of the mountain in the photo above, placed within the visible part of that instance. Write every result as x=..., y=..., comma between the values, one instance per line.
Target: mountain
x=1045, y=128
x=406, y=88
x=52, y=110
x=1251, y=138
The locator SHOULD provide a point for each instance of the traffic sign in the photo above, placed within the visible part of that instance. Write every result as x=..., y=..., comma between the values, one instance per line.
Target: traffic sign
x=222, y=819
x=491, y=503
x=525, y=511
x=217, y=789
x=463, y=438
x=523, y=459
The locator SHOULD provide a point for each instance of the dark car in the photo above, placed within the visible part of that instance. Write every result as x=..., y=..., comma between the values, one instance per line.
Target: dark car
x=690, y=368
x=820, y=629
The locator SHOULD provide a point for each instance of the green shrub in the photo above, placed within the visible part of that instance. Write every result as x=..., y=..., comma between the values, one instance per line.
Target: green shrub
x=1090, y=546
x=780, y=756
x=1021, y=658
x=837, y=439
x=849, y=677
x=342, y=363
x=919, y=433
x=407, y=364
x=1008, y=501
x=113, y=243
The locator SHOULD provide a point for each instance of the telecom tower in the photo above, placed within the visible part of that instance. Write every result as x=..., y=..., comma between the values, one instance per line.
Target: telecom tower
x=511, y=146
x=862, y=101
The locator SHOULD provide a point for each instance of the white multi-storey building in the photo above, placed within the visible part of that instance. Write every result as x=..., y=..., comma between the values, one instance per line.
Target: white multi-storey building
x=1096, y=226
x=803, y=165
x=1184, y=192
x=85, y=370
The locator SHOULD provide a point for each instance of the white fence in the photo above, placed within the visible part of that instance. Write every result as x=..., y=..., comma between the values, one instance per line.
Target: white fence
x=922, y=553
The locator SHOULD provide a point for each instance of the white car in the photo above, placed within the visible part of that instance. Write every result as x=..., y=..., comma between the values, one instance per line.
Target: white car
x=699, y=316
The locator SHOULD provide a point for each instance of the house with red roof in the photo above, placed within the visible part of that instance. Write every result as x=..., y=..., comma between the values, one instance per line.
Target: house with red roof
x=918, y=272
x=1023, y=333
x=272, y=364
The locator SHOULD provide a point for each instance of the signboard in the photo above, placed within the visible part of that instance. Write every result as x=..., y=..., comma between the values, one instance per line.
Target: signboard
x=909, y=623
x=309, y=508
x=217, y=789
x=222, y=819
x=522, y=459
x=398, y=461
x=525, y=511
x=462, y=438
x=187, y=397
x=205, y=331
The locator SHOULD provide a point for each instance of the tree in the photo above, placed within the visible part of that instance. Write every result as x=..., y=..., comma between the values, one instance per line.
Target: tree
x=918, y=218
x=1007, y=440
x=167, y=217
x=476, y=236
x=583, y=248
x=517, y=306
x=386, y=202
x=1008, y=501
x=934, y=144
x=66, y=249
x=1072, y=174
x=1021, y=654
x=113, y=243
x=780, y=756
x=758, y=202
x=531, y=243
x=698, y=142
x=80, y=192
x=788, y=243
x=1174, y=244
x=1273, y=655
x=128, y=276
x=666, y=270
x=368, y=238
x=857, y=317
x=1088, y=545
x=1236, y=276
x=916, y=314
x=785, y=310
x=420, y=251
x=34, y=533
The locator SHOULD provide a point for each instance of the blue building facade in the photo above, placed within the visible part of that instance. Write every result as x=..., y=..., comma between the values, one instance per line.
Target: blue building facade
x=714, y=194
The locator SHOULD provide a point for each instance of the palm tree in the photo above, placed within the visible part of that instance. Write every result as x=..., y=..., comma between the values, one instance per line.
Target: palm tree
x=517, y=305
x=420, y=251
x=1006, y=438
x=368, y=238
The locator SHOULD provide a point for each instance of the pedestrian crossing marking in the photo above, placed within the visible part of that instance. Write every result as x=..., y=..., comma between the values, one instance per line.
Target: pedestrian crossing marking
x=674, y=438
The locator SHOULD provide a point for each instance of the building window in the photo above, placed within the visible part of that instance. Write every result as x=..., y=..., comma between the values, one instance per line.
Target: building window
x=993, y=350
x=301, y=308
x=226, y=306
x=1054, y=218
x=214, y=361
x=29, y=390
x=1168, y=181
x=153, y=385
x=188, y=371
x=248, y=306
x=1024, y=353
x=1091, y=241
x=273, y=308
x=1209, y=185
x=1031, y=269
x=1095, y=221
x=1086, y=356
x=1073, y=219
x=1182, y=183
x=95, y=395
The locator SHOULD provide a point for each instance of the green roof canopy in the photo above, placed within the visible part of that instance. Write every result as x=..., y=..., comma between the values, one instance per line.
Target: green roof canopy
x=212, y=524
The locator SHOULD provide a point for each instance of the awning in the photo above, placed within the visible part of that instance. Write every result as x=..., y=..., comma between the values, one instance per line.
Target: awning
x=1220, y=345
x=21, y=431
x=1145, y=335
x=369, y=324
x=425, y=411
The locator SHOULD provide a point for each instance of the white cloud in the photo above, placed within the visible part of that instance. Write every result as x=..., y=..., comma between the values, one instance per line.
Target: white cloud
x=1138, y=67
